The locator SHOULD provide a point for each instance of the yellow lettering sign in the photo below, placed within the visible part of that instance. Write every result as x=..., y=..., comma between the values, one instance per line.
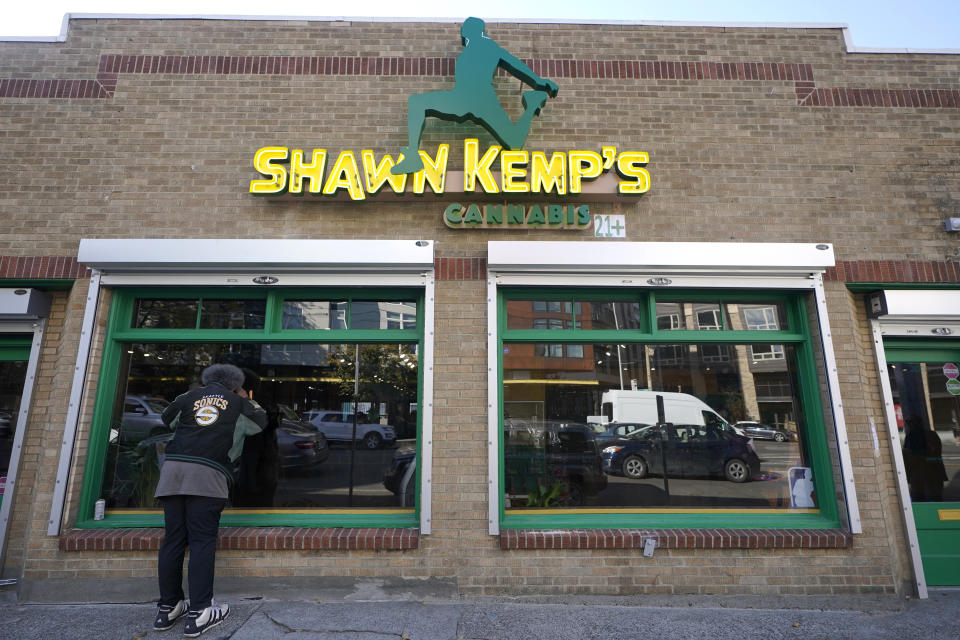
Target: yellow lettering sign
x=434, y=171
x=265, y=162
x=344, y=175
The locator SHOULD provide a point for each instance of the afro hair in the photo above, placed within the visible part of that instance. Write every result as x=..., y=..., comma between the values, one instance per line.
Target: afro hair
x=228, y=375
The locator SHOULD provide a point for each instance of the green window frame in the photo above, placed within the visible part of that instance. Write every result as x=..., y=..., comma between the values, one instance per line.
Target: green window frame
x=14, y=347
x=120, y=333
x=798, y=335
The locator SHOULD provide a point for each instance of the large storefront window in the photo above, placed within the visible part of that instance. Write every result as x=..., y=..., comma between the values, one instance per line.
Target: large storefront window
x=651, y=403
x=339, y=378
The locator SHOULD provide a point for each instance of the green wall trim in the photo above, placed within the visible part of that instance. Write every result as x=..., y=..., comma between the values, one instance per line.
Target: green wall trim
x=228, y=519
x=869, y=287
x=15, y=347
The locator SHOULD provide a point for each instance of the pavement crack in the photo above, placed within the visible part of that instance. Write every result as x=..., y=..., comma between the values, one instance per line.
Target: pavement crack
x=289, y=629
x=285, y=628
x=246, y=619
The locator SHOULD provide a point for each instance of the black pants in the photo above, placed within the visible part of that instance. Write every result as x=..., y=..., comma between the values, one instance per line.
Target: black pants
x=191, y=521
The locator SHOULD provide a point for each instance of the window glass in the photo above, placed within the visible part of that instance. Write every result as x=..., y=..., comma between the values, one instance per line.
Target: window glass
x=758, y=317
x=608, y=315
x=164, y=313
x=525, y=314
x=583, y=432
x=233, y=314
x=693, y=316
x=383, y=315
x=585, y=314
x=321, y=399
x=708, y=317
x=670, y=316
x=314, y=314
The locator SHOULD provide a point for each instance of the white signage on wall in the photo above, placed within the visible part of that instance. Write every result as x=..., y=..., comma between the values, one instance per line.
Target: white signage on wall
x=609, y=226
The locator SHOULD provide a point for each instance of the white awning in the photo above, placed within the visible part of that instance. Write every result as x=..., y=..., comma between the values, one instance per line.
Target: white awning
x=23, y=303
x=927, y=313
x=661, y=264
x=127, y=255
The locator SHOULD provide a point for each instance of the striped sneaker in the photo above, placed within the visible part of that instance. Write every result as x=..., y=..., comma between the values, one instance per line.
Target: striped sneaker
x=167, y=615
x=201, y=621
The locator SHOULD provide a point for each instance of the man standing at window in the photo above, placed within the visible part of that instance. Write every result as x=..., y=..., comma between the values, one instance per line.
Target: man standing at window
x=211, y=423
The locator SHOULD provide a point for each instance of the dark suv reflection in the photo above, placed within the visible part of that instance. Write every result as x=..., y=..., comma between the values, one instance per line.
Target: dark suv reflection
x=687, y=450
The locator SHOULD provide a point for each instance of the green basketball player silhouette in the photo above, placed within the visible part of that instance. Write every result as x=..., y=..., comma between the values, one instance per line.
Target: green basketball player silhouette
x=473, y=96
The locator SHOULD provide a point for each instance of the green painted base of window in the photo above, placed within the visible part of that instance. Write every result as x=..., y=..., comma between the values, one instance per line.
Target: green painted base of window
x=155, y=520
x=672, y=521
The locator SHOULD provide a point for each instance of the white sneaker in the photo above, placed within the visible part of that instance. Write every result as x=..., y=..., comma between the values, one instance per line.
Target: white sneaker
x=200, y=621
x=167, y=616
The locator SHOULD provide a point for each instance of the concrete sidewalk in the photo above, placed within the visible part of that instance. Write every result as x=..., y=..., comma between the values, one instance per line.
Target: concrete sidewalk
x=661, y=618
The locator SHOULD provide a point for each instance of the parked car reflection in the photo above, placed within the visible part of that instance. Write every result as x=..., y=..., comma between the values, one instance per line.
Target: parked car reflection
x=301, y=447
x=400, y=477
x=606, y=434
x=141, y=418
x=761, y=431
x=687, y=450
x=338, y=426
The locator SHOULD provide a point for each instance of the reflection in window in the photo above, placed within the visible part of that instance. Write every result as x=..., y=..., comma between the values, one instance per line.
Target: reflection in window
x=668, y=321
x=582, y=432
x=362, y=314
x=669, y=355
x=163, y=313
x=554, y=306
x=551, y=323
x=702, y=316
x=314, y=314
x=398, y=320
x=761, y=317
x=521, y=314
x=608, y=315
x=714, y=353
x=303, y=460
x=709, y=319
x=574, y=350
x=547, y=350
x=766, y=351
x=381, y=315
x=928, y=419
x=233, y=314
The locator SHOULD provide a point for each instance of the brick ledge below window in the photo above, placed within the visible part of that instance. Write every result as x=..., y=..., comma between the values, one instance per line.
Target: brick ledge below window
x=676, y=538
x=242, y=538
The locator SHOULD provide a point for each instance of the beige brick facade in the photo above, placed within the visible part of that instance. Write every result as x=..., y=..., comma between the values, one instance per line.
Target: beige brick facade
x=147, y=129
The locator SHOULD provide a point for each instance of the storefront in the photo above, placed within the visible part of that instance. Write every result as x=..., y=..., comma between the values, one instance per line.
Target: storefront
x=23, y=314
x=915, y=333
x=678, y=316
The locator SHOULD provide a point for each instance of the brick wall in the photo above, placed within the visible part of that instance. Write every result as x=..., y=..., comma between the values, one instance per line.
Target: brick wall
x=144, y=128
